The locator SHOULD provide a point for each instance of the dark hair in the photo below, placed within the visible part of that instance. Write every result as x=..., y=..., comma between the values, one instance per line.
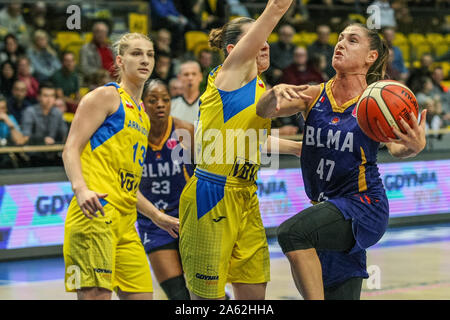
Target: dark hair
x=46, y=85
x=377, y=70
x=228, y=34
x=149, y=85
x=65, y=52
x=2, y=98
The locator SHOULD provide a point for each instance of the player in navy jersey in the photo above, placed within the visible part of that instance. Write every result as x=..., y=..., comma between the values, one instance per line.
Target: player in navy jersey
x=325, y=244
x=163, y=179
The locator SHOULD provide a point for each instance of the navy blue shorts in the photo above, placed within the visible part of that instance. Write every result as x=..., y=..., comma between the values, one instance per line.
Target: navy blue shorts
x=152, y=236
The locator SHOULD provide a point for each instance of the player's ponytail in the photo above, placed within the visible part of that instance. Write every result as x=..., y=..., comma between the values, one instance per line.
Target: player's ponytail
x=229, y=34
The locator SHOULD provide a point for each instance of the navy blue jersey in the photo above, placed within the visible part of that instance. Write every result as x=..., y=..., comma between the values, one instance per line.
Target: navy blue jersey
x=339, y=165
x=162, y=181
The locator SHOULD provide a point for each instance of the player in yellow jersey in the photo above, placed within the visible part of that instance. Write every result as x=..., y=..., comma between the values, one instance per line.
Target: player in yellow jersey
x=222, y=238
x=103, y=158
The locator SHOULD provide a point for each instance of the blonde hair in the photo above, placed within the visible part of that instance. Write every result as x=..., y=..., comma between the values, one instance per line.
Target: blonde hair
x=39, y=34
x=121, y=46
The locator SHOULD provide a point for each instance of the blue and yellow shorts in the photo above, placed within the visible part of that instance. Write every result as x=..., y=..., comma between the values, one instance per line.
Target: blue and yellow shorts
x=104, y=252
x=222, y=237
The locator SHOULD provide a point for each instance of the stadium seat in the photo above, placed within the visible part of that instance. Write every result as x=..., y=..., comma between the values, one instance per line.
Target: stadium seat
x=405, y=49
x=437, y=41
x=63, y=38
x=192, y=38
x=419, y=45
x=400, y=38
x=306, y=38
x=357, y=17
x=87, y=37
x=273, y=37
x=445, y=68
x=84, y=91
x=333, y=38
x=298, y=40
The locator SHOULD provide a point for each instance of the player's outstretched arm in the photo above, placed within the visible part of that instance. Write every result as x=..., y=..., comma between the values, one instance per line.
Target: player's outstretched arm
x=410, y=143
x=162, y=220
x=238, y=63
x=91, y=113
x=282, y=146
x=284, y=100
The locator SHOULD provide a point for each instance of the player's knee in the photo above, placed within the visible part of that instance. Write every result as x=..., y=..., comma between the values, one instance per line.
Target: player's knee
x=290, y=238
x=175, y=288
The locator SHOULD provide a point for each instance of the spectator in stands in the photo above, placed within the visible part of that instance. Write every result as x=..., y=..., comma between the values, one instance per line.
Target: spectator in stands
x=443, y=92
x=192, y=10
x=44, y=59
x=24, y=74
x=300, y=71
x=18, y=102
x=37, y=17
x=398, y=64
x=298, y=16
x=387, y=14
x=7, y=77
x=205, y=59
x=281, y=54
x=11, y=21
x=319, y=64
x=12, y=50
x=163, y=40
x=99, y=78
x=164, y=14
x=9, y=128
x=97, y=54
x=288, y=126
x=187, y=105
x=217, y=14
x=43, y=123
x=66, y=81
x=322, y=46
x=175, y=87
x=163, y=67
x=391, y=71
x=237, y=8
x=415, y=77
x=432, y=103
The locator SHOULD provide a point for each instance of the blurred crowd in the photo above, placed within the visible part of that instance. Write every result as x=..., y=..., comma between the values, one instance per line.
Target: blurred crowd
x=41, y=84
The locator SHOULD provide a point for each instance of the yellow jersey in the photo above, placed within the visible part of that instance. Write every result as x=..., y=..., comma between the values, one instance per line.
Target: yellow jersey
x=229, y=135
x=113, y=158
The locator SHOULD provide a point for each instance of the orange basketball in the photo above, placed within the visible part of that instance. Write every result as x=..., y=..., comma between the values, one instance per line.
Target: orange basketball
x=385, y=101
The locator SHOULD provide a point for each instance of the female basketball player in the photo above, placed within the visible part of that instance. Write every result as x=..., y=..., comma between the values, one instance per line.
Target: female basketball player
x=222, y=238
x=103, y=158
x=163, y=179
x=325, y=244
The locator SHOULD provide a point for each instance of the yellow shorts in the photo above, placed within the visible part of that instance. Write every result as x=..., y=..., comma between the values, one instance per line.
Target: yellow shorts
x=104, y=252
x=222, y=237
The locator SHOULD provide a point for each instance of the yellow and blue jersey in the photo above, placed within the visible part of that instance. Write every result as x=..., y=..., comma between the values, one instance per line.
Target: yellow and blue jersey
x=339, y=165
x=229, y=135
x=113, y=158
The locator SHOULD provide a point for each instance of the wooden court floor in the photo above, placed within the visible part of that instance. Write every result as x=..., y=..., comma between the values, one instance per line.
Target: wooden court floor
x=399, y=272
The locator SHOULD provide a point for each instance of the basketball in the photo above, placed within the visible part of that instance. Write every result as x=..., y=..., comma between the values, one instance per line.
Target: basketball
x=385, y=101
